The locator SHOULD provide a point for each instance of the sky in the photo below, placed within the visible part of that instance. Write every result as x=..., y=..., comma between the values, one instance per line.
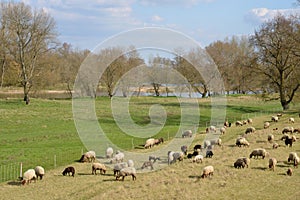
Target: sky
x=86, y=23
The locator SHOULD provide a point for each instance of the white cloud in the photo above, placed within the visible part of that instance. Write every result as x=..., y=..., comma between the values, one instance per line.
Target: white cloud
x=259, y=15
x=173, y=2
x=156, y=18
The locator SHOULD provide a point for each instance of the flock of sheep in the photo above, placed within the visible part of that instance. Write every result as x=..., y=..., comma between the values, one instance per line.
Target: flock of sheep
x=121, y=169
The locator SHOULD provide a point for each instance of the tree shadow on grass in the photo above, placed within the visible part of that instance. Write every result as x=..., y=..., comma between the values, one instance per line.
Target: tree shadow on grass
x=14, y=183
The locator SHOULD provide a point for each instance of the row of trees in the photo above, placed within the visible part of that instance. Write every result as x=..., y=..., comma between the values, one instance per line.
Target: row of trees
x=32, y=57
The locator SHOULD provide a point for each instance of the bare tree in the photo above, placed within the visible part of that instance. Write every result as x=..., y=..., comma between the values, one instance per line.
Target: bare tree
x=32, y=35
x=278, y=51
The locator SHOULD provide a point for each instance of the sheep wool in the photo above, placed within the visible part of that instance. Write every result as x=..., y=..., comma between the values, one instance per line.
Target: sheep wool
x=39, y=172
x=207, y=171
x=28, y=176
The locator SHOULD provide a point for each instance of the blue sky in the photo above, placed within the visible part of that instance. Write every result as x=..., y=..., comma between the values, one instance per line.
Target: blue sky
x=86, y=23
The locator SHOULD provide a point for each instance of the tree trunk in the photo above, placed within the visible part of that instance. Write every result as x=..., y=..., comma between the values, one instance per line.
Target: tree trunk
x=284, y=104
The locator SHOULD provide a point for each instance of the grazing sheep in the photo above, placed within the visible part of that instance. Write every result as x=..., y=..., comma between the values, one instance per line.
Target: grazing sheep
x=119, y=157
x=147, y=164
x=238, y=123
x=158, y=141
x=209, y=154
x=279, y=115
x=270, y=138
x=28, y=176
x=226, y=124
x=149, y=143
x=266, y=125
x=296, y=161
x=89, y=156
x=207, y=143
x=249, y=120
x=198, y=158
x=174, y=156
x=154, y=158
x=195, y=153
x=211, y=129
x=223, y=130
x=296, y=130
x=291, y=120
x=272, y=163
x=275, y=146
x=246, y=161
x=187, y=133
x=289, y=172
x=109, y=152
x=130, y=163
x=69, y=170
x=217, y=141
x=250, y=130
x=241, y=141
x=239, y=163
x=289, y=141
x=184, y=149
x=197, y=147
x=127, y=171
x=39, y=172
x=118, y=167
x=207, y=171
x=274, y=118
x=284, y=136
x=98, y=166
x=287, y=130
x=259, y=152
x=292, y=156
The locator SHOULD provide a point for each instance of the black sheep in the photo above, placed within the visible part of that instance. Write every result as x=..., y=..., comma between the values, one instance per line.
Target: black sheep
x=69, y=170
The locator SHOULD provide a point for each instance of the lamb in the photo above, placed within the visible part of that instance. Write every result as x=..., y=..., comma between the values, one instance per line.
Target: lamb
x=289, y=141
x=270, y=138
x=118, y=167
x=147, y=164
x=275, y=146
x=69, y=170
x=98, y=166
x=291, y=120
x=198, y=158
x=241, y=141
x=272, y=163
x=250, y=130
x=127, y=171
x=28, y=176
x=184, y=149
x=209, y=154
x=154, y=158
x=89, y=156
x=266, y=125
x=274, y=118
x=109, y=152
x=289, y=172
x=259, y=152
x=239, y=163
x=238, y=123
x=287, y=130
x=39, y=172
x=207, y=171
x=187, y=133
x=149, y=143
x=119, y=157
x=223, y=130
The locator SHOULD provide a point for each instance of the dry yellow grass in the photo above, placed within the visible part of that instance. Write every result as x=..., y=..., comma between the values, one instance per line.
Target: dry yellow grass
x=181, y=180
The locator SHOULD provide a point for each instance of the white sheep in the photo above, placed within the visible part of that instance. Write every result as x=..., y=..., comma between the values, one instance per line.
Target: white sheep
x=272, y=163
x=98, y=166
x=292, y=156
x=127, y=171
x=238, y=123
x=296, y=161
x=198, y=158
x=250, y=130
x=217, y=141
x=207, y=143
x=274, y=118
x=28, y=176
x=259, y=152
x=207, y=171
x=241, y=141
x=187, y=133
x=211, y=129
x=270, y=138
x=266, y=125
x=250, y=121
x=291, y=120
x=119, y=157
x=109, y=152
x=174, y=156
x=118, y=167
x=223, y=130
x=39, y=172
x=149, y=143
x=289, y=172
x=89, y=156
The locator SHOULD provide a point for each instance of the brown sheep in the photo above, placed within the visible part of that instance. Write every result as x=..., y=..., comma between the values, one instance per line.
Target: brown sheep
x=272, y=163
x=69, y=170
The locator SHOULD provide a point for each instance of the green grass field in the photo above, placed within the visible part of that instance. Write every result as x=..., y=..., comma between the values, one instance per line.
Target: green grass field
x=44, y=130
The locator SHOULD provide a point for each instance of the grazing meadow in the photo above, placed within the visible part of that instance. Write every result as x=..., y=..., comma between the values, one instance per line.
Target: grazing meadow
x=43, y=133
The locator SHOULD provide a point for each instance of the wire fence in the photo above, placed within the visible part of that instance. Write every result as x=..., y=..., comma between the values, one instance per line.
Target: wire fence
x=55, y=158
